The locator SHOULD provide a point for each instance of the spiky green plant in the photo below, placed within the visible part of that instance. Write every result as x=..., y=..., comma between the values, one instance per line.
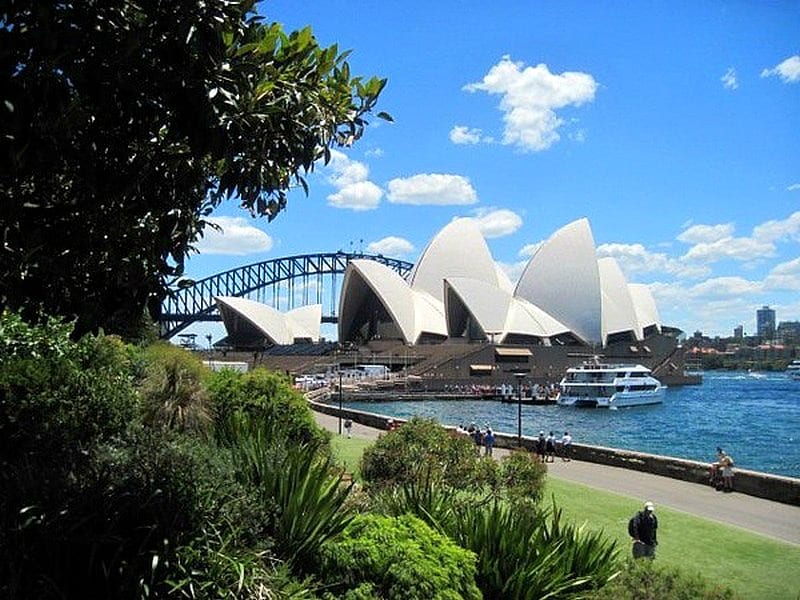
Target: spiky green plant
x=172, y=392
x=213, y=566
x=530, y=554
x=296, y=483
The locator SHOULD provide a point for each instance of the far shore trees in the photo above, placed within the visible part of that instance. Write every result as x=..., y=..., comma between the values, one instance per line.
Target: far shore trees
x=125, y=124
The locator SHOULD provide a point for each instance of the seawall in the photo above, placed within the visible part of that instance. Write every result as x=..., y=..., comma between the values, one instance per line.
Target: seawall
x=762, y=485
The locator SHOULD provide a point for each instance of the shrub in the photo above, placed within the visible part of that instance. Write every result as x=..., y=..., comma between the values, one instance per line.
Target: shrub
x=529, y=554
x=522, y=476
x=265, y=396
x=401, y=557
x=215, y=566
x=303, y=496
x=421, y=448
x=173, y=395
x=90, y=504
x=58, y=397
x=646, y=580
x=107, y=531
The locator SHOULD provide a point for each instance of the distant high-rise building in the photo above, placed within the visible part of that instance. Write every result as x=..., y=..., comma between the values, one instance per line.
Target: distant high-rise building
x=738, y=332
x=789, y=332
x=765, y=323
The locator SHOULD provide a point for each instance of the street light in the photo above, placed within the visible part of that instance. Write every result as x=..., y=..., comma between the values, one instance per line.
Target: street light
x=520, y=377
x=340, y=400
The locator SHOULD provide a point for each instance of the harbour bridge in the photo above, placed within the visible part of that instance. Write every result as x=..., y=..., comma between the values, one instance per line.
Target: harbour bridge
x=284, y=283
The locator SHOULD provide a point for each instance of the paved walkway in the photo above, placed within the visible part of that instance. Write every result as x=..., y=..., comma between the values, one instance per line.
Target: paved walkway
x=772, y=519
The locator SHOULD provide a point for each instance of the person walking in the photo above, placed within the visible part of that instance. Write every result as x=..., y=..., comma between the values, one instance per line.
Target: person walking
x=643, y=529
x=348, y=426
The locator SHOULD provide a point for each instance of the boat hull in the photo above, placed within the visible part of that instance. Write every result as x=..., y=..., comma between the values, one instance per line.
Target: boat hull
x=618, y=400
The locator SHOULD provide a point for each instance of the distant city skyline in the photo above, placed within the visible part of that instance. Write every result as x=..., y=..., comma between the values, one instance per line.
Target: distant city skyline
x=671, y=127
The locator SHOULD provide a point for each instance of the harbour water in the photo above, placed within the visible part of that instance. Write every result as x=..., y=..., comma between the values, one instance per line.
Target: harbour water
x=754, y=416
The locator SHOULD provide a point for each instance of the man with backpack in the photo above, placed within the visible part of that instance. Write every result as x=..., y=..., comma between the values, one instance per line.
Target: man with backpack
x=643, y=528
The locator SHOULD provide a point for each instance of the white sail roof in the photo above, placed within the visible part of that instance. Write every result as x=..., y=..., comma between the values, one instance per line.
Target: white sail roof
x=645, y=306
x=562, y=278
x=242, y=315
x=304, y=322
x=365, y=276
x=619, y=315
x=428, y=316
x=457, y=289
x=527, y=319
x=458, y=250
x=488, y=304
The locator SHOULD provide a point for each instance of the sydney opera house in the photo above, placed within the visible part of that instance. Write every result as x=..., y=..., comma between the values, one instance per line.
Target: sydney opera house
x=567, y=305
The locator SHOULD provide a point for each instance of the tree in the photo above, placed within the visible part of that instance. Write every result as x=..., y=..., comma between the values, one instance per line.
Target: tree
x=124, y=124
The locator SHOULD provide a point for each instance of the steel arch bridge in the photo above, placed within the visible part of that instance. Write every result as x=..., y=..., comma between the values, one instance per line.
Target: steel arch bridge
x=276, y=279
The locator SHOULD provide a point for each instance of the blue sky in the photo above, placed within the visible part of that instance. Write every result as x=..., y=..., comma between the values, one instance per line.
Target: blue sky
x=674, y=127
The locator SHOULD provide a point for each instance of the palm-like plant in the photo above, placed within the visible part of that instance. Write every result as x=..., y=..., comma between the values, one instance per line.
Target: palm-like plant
x=523, y=551
x=301, y=487
x=530, y=554
x=173, y=392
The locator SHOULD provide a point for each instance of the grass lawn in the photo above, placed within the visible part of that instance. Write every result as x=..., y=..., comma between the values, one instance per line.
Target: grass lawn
x=348, y=452
x=754, y=566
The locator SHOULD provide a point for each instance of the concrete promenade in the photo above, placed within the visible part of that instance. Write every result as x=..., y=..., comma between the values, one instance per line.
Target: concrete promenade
x=772, y=519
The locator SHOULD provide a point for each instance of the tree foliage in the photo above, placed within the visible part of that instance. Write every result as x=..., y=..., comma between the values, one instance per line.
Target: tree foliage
x=124, y=124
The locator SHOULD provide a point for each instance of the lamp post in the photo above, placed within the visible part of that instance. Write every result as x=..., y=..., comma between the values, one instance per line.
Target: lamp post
x=340, y=400
x=520, y=377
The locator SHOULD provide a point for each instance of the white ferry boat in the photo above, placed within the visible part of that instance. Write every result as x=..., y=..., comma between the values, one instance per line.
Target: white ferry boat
x=594, y=384
x=793, y=370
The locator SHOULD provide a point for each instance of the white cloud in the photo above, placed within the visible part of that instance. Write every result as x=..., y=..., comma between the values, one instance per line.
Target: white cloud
x=636, y=259
x=391, y=246
x=497, y=222
x=698, y=234
x=376, y=152
x=712, y=243
x=529, y=98
x=529, y=250
x=345, y=170
x=794, y=187
x=729, y=80
x=724, y=286
x=460, y=134
x=777, y=230
x=785, y=276
x=432, y=189
x=237, y=237
x=743, y=249
x=788, y=70
x=360, y=196
x=351, y=177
